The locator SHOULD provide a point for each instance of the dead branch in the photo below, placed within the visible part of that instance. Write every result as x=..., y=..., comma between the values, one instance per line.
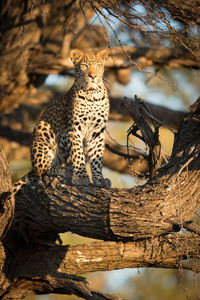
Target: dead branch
x=136, y=110
x=190, y=226
x=113, y=150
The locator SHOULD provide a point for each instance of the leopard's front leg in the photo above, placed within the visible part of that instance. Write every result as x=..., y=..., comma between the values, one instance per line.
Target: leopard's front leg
x=95, y=151
x=75, y=146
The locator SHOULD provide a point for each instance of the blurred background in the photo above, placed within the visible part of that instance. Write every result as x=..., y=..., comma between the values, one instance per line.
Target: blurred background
x=154, y=54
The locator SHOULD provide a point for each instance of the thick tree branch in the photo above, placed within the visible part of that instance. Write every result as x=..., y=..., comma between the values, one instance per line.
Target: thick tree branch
x=160, y=252
x=56, y=265
x=53, y=283
x=157, y=55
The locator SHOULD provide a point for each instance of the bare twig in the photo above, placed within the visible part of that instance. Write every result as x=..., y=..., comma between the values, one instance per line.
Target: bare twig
x=135, y=109
x=124, y=154
x=190, y=226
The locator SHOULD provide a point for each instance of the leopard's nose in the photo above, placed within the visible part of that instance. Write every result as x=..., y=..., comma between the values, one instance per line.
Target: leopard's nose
x=92, y=75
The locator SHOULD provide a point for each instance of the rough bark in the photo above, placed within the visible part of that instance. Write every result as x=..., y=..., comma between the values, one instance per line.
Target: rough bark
x=162, y=252
x=134, y=222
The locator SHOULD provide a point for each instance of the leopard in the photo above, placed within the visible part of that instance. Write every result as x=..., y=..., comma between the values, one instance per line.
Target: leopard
x=71, y=130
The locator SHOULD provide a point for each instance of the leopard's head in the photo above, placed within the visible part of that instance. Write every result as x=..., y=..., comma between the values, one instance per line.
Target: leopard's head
x=89, y=68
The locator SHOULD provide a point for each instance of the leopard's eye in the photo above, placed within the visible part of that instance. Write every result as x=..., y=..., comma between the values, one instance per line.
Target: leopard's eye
x=99, y=65
x=84, y=66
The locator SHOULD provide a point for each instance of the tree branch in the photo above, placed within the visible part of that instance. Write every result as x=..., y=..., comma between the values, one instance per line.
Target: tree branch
x=160, y=252
x=52, y=269
x=125, y=155
x=136, y=109
x=56, y=283
x=146, y=56
x=190, y=226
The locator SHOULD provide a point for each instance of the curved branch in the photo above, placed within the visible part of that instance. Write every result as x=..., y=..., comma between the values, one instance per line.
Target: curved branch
x=136, y=110
x=125, y=155
x=54, y=283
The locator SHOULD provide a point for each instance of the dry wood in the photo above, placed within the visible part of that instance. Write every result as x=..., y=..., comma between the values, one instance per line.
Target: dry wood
x=136, y=109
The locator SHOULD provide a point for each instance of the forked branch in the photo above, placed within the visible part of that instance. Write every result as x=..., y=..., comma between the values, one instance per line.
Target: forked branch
x=137, y=109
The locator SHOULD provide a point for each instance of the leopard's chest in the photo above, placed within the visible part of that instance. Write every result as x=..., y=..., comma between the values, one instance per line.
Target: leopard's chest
x=91, y=113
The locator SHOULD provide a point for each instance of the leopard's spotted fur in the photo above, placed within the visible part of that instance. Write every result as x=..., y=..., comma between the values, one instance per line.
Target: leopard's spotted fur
x=72, y=127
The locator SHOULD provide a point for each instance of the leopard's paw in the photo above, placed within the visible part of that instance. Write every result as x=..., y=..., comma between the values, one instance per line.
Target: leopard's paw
x=81, y=180
x=102, y=182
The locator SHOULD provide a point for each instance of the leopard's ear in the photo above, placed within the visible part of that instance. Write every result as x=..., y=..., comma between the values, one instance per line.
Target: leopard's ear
x=103, y=55
x=76, y=56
